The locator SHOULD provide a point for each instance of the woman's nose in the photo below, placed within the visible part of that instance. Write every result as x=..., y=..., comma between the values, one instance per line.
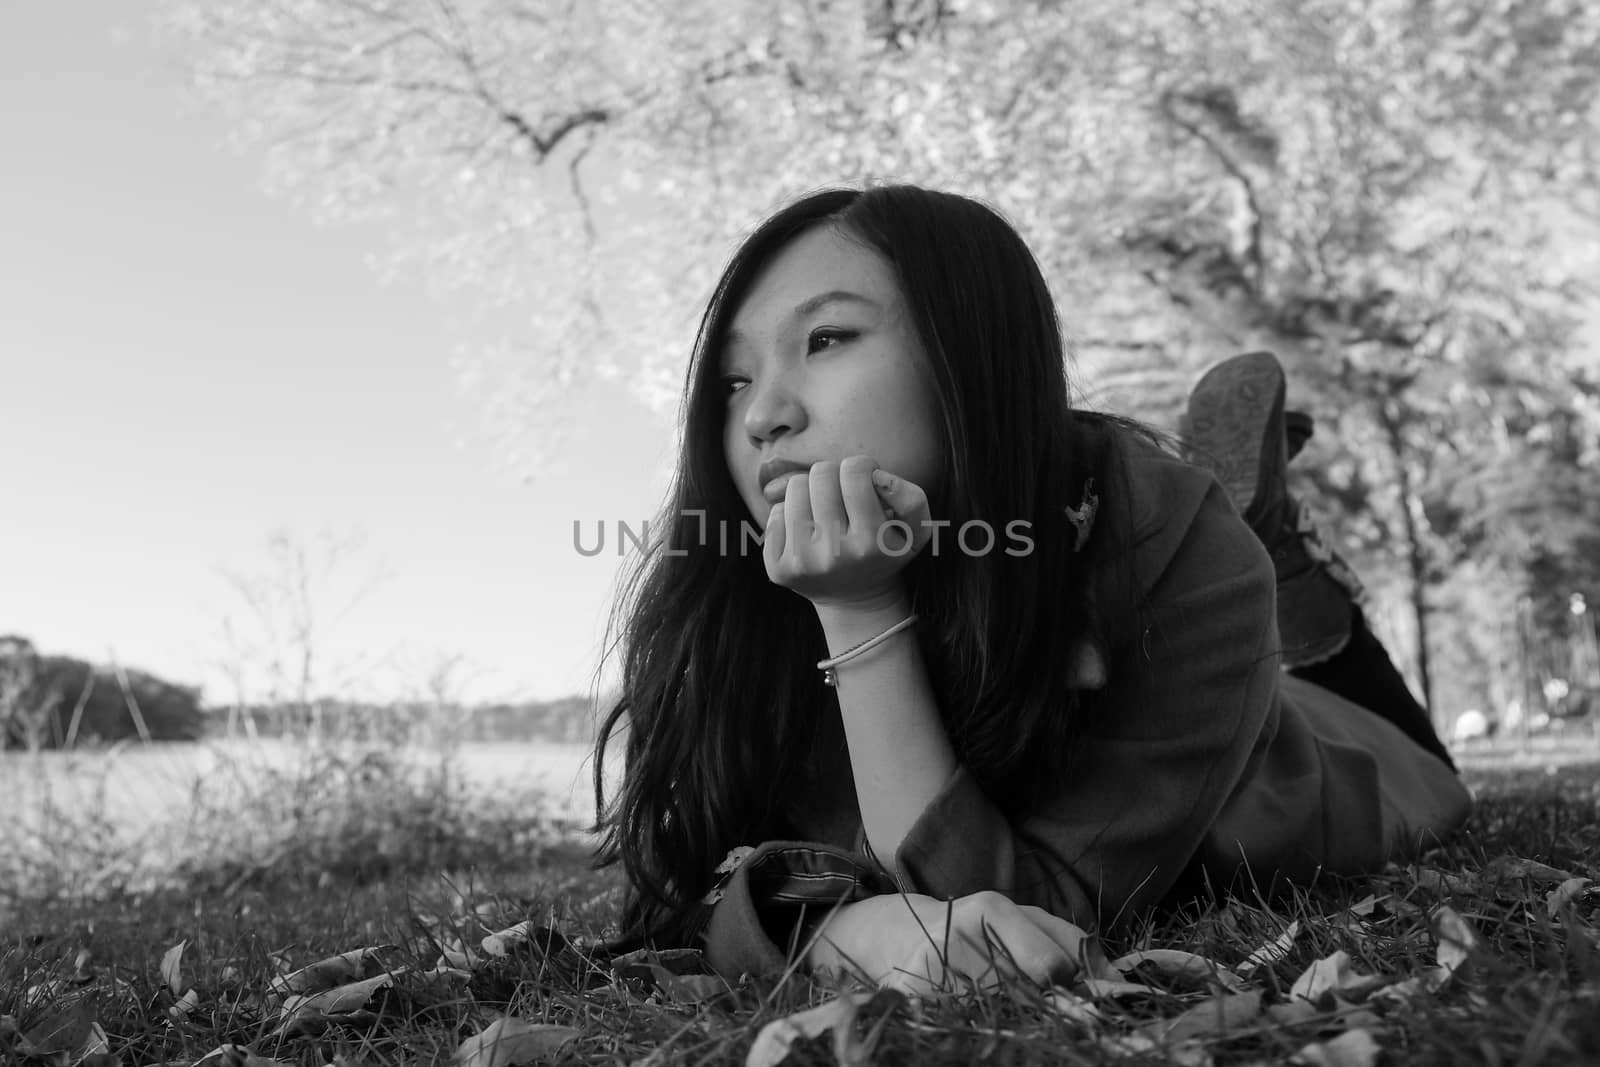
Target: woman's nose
x=775, y=408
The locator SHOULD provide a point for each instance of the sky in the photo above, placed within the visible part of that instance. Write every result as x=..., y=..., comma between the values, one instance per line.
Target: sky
x=189, y=365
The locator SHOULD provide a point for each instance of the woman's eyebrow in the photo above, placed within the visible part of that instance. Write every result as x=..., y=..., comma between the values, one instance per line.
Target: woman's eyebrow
x=807, y=307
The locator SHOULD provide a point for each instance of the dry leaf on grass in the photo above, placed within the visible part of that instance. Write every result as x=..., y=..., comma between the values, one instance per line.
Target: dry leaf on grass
x=1511, y=868
x=1443, y=883
x=73, y=1031
x=172, y=968
x=184, y=1007
x=330, y=1005
x=235, y=1056
x=1174, y=963
x=1335, y=974
x=1100, y=988
x=692, y=988
x=1332, y=1012
x=1141, y=1046
x=773, y=1043
x=1272, y=951
x=507, y=1042
x=1457, y=940
x=1073, y=1007
x=454, y=954
x=355, y=965
x=501, y=942
x=1213, y=1017
x=1365, y=906
x=1567, y=892
x=1353, y=1048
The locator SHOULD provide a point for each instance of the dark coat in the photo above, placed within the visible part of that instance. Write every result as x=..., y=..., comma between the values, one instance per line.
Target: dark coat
x=1214, y=758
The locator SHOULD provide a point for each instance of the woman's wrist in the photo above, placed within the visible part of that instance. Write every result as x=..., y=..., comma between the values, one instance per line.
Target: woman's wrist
x=847, y=625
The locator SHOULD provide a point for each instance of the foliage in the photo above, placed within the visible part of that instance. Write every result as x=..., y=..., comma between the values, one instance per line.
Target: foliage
x=58, y=701
x=1393, y=194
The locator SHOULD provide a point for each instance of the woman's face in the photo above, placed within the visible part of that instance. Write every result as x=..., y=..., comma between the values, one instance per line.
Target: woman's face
x=821, y=362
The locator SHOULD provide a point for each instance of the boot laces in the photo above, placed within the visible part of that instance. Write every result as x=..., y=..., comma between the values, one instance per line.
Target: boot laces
x=1316, y=546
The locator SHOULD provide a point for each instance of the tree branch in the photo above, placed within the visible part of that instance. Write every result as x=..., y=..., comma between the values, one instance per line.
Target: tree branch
x=1255, y=251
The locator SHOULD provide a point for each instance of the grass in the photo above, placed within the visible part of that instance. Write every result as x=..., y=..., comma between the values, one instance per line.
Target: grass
x=362, y=868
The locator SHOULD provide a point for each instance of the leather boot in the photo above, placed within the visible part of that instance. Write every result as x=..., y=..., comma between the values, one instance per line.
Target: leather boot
x=1236, y=427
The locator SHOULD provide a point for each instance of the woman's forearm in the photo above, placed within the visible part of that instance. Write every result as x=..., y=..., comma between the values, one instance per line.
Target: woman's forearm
x=900, y=755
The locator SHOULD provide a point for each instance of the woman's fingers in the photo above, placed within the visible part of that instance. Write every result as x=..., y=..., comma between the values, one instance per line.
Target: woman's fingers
x=991, y=940
x=907, y=504
x=1080, y=947
x=1012, y=946
x=923, y=946
x=863, y=513
x=832, y=539
x=827, y=508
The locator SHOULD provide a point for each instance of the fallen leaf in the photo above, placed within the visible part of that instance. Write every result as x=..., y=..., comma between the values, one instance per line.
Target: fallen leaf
x=69, y=1030
x=1334, y=974
x=330, y=1003
x=1178, y=964
x=1565, y=893
x=501, y=942
x=1212, y=1017
x=1100, y=988
x=1456, y=937
x=1509, y=868
x=692, y=988
x=1184, y=1054
x=1073, y=1007
x=1272, y=951
x=1353, y=1048
x=1365, y=907
x=1443, y=883
x=172, y=968
x=773, y=1043
x=1416, y=986
x=1457, y=940
x=355, y=965
x=96, y=1043
x=235, y=1056
x=459, y=956
x=508, y=1041
x=185, y=1005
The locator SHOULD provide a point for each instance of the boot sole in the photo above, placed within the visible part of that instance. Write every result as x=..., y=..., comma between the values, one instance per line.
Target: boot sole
x=1229, y=412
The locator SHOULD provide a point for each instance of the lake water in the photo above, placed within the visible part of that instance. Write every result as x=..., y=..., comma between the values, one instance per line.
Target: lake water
x=128, y=790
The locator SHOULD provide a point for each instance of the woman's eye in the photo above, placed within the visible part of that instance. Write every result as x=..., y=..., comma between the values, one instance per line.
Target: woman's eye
x=818, y=338
x=728, y=382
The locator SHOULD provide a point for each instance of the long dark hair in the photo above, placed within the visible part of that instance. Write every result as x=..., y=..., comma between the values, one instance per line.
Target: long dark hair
x=720, y=691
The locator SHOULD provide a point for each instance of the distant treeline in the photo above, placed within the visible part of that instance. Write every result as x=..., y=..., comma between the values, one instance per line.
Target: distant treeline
x=569, y=719
x=57, y=701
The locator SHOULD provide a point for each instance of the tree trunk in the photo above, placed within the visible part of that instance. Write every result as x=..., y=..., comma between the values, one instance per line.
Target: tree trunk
x=1416, y=557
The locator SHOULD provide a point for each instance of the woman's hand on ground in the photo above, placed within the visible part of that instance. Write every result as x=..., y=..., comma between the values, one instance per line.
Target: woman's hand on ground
x=839, y=536
x=921, y=945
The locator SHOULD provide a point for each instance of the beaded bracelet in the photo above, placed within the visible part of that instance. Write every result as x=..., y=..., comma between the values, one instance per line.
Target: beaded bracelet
x=826, y=666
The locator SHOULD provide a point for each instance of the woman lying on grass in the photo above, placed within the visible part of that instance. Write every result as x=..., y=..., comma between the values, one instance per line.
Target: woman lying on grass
x=972, y=670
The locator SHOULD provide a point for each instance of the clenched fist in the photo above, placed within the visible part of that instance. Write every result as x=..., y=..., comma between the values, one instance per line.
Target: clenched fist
x=922, y=945
x=844, y=531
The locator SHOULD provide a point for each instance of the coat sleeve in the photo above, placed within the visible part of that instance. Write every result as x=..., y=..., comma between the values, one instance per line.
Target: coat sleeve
x=761, y=910
x=1182, y=718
